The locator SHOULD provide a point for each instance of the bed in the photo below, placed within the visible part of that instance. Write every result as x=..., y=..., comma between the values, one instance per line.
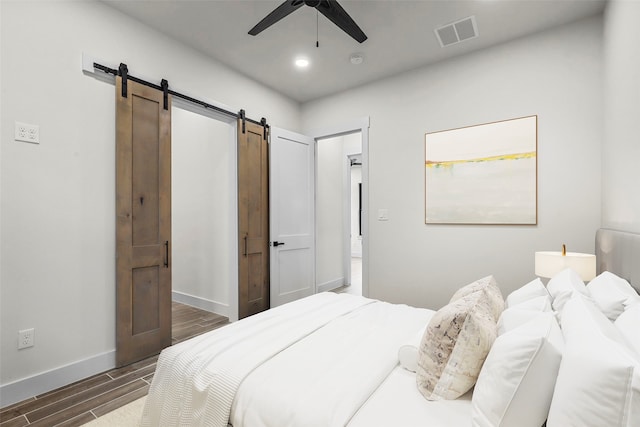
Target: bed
x=333, y=360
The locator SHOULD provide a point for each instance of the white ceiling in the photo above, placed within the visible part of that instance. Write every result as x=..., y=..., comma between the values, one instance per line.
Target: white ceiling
x=401, y=35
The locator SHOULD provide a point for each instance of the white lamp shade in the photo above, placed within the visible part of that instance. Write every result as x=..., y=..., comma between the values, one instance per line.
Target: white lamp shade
x=548, y=264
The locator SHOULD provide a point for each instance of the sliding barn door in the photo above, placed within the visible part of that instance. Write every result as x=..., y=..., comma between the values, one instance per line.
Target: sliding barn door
x=143, y=222
x=253, y=220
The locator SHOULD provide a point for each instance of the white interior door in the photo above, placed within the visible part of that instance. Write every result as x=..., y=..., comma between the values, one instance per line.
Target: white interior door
x=292, y=216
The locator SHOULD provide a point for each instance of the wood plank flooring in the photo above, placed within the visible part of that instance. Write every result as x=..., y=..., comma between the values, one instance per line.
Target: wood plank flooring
x=88, y=399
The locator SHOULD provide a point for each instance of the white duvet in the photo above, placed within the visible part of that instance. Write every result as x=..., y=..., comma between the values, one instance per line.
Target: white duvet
x=325, y=378
x=312, y=362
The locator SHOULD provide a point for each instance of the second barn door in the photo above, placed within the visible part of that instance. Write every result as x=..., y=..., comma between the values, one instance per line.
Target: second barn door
x=253, y=219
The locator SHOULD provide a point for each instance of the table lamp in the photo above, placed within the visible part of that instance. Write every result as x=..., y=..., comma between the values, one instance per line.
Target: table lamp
x=548, y=264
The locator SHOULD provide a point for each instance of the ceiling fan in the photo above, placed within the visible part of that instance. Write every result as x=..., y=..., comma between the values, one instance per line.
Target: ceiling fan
x=329, y=8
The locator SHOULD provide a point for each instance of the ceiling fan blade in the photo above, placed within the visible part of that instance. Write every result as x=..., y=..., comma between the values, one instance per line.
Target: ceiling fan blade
x=336, y=14
x=277, y=14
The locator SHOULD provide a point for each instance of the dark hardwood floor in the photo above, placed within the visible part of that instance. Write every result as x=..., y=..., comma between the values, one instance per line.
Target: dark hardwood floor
x=88, y=399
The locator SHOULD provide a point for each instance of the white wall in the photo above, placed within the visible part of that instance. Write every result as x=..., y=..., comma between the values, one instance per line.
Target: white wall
x=58, y=233
x=556, y=75
x=621, y=146
x=203, y=227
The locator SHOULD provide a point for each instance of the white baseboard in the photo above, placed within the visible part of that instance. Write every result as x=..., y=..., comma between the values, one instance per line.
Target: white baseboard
x=202, y=303
x=20, y=390
x=331, y=285
x=41, y=383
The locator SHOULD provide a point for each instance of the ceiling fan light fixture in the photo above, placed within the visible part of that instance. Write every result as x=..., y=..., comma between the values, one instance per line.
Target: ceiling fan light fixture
x=301, y=62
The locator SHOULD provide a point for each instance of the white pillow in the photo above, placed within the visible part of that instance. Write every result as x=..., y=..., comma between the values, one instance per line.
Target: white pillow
x=533, y=289
x=634, y=300
x=541, y=303
x=408, y=352
x=599, y=380
x=513, y=318
x=611, y=293
x=628, y=324
x=521, y=313
x=454, y=346
x=563, y=285
x=516, y=383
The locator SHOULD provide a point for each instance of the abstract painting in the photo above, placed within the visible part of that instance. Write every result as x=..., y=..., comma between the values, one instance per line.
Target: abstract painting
x=482, y=174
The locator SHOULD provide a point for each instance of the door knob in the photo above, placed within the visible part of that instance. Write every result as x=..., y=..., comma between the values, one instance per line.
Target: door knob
x=276, y=244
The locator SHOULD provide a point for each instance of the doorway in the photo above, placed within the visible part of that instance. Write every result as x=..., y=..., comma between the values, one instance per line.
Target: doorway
x=339, y=212
x=208, y=257
x=203, y=219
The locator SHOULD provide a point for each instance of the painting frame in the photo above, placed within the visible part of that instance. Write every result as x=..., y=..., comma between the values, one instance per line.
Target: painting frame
x=484, y=174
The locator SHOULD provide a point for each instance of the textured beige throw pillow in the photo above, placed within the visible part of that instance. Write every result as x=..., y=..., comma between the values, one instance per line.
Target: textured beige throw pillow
x=454, y=347
x=490, y=290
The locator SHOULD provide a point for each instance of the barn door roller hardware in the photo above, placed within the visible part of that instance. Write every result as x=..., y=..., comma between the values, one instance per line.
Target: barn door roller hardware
x=241, y=116
x=165, y=93
x=123, y=72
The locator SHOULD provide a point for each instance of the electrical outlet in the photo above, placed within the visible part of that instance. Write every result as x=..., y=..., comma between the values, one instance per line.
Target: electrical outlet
x=27, y=133
x=26, y=338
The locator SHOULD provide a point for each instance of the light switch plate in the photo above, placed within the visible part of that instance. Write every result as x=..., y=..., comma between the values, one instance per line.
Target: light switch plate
x=26, y=132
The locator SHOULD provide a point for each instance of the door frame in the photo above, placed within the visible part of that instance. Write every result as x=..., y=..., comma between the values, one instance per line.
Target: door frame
x=358, y=125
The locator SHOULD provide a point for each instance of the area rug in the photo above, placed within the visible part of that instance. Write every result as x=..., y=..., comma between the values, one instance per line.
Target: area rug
x=127, y=416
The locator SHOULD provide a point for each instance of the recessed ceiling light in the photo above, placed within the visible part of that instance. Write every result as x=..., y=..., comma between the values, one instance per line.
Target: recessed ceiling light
x=302, y=62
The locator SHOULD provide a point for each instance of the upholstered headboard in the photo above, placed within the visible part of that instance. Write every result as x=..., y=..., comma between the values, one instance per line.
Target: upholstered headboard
x=619, y=253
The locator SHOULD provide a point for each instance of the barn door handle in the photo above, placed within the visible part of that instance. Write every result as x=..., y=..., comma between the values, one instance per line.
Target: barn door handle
x=166, y=254
x=245, y=245
x=276, y=244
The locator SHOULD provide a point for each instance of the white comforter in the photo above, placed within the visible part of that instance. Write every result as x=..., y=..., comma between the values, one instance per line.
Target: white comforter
x=195, y=381
x=325, y=378
x=312, y=362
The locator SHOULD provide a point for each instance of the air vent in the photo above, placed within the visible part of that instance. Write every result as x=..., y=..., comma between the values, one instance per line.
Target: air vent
x=457, y=32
